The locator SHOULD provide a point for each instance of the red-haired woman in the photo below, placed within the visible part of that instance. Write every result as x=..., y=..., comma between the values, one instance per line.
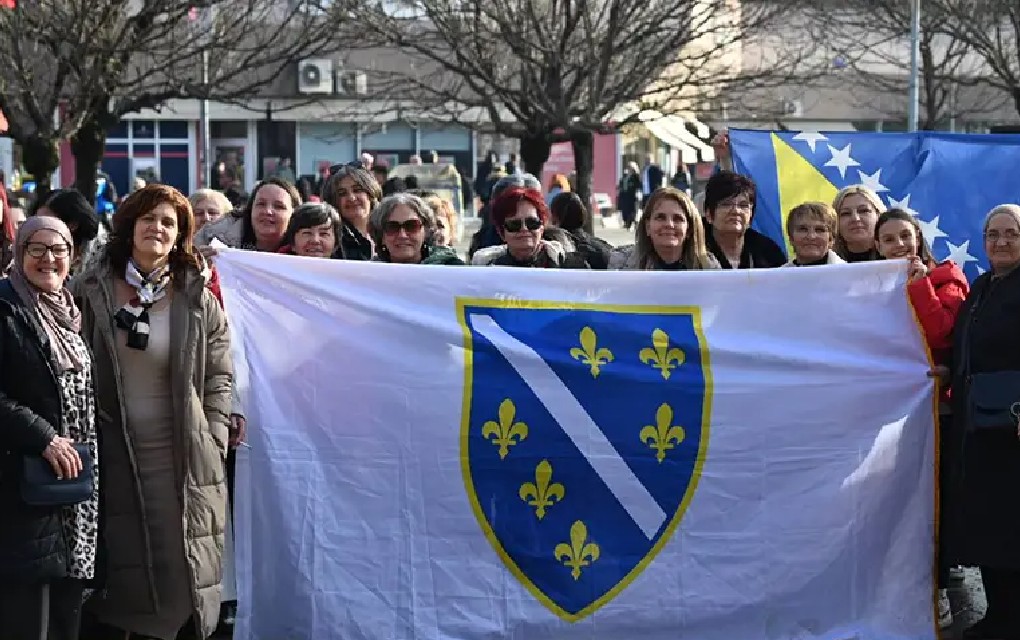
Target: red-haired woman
x=163, y=397
x=520, y=216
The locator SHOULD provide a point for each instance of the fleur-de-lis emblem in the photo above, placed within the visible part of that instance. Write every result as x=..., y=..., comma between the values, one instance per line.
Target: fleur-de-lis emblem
x=660, y=356
x=578, y=553
x=588, y=354
x=664, y=435
x=542, y=494
x=505, y=433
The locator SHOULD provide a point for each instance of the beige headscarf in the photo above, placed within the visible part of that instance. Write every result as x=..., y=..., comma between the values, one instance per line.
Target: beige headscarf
x=55, y=309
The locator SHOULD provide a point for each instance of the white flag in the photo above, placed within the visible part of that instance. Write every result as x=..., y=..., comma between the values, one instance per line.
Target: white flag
x=443, y=452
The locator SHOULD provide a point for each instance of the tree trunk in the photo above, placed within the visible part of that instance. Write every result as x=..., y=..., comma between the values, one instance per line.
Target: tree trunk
x=40, y=157
x=88, y=145
x=535, y=152
x=583, y=145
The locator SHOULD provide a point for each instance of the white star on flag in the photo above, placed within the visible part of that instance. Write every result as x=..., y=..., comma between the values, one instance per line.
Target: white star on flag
x=841, y=159
x=903, y=204
x=812, y=138
x=960, y=254
x=980, y=270
x=873, y=181
x=931, y=230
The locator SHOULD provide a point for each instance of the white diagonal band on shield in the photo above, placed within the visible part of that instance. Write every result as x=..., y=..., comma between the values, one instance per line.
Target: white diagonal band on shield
x=577, y=424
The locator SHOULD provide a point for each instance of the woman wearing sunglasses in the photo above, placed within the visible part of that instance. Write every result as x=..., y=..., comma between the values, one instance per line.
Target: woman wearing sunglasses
x=402, y=228
x=520, y=216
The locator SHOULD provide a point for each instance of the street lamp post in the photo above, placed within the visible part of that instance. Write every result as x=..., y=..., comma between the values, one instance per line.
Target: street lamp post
x=915, y=60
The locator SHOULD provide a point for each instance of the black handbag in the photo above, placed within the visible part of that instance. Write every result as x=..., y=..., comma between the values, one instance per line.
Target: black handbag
x=994, y=400
x=41, y=488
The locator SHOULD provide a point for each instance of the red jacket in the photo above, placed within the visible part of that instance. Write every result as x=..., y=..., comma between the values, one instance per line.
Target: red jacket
x=937, y=299
x=213, y=284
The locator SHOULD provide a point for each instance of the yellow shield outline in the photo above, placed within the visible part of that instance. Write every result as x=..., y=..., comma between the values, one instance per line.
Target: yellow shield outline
x=695, y=312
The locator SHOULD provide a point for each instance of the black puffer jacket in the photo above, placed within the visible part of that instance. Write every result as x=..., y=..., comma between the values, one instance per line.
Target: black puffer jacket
x=32, y=545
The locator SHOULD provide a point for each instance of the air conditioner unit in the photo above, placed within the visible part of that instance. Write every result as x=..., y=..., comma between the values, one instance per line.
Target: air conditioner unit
x=351, y=83
x=315, y=75
x=793, y=108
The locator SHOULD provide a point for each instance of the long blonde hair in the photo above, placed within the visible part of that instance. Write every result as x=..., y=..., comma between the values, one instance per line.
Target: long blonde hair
x=839, y=246
x=694, y=254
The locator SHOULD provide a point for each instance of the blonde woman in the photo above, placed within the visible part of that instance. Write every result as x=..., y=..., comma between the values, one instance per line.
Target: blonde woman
x=445, y=232
x=668, y=237
x=209, y=206
x=811, y=228
x=858, y=208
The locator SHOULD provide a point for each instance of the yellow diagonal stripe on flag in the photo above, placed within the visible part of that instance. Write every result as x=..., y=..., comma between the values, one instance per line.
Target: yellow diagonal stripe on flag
x=799, y=182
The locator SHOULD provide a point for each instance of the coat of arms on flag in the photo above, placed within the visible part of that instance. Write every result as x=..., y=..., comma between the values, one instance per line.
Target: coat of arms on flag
x=583, y=435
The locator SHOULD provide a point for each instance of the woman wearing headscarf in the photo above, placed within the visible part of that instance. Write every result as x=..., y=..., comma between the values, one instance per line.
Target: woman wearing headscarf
x=164, y=395
x=353, y=192
x=668, y=237
x=403, y=229
x=985, y=525
x=313, y=232
x=47, y=553
x=87, y=231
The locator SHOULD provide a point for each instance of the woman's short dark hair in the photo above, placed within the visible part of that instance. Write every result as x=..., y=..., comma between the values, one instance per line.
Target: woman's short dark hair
x=923, y=250
x=725, y=185
x=75, y=211
x=313, y=214
x=248, y=235
x=141, y=202
x=568, y=211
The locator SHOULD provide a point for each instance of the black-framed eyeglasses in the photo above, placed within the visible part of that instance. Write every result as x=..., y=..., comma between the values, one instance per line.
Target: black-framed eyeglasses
x=392, y=227
x=514, y=225
x=38, y=250
x=353, y=164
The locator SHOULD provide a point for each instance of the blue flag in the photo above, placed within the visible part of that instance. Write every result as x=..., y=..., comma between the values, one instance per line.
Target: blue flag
x=949, y=181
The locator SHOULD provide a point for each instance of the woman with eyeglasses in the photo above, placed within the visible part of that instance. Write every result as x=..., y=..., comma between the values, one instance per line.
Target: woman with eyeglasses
x=984, y=526
x=403, y=228
x=354, y=192
x=520, y=216
x=47, y=406
x=729, y=209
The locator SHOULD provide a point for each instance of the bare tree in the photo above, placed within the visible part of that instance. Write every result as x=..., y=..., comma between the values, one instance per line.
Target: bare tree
x=546, y=71
x=991, y=28
x=93, y=61
x=872, y=40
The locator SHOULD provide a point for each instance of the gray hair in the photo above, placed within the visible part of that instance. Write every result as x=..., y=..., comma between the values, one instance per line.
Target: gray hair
x=383, y=210
x=1011, y=210
x=524, y=180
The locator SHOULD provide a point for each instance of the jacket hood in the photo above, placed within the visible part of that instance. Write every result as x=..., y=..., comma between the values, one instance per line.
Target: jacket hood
x=947, y=272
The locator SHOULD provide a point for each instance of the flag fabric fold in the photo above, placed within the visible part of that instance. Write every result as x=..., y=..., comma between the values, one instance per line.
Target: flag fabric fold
x=492, y=453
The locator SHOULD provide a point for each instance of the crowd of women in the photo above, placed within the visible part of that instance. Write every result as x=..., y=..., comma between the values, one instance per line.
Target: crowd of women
x=117, y=408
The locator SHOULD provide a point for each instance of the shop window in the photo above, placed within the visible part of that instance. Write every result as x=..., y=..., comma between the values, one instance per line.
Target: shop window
x=118, y=131
x=229, y=129
x=173, y=129
x=143, y=129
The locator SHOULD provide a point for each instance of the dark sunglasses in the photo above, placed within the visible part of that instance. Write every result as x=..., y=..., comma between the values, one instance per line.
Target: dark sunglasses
x=392, y=227
x=516, y=224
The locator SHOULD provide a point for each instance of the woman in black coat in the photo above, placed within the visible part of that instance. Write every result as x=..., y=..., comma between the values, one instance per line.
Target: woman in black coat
x=985, y=522
x=47, y=553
